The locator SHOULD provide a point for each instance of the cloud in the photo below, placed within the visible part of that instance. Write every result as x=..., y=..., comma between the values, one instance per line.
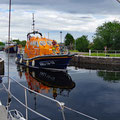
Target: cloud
x=71, y=6
x=74, y=16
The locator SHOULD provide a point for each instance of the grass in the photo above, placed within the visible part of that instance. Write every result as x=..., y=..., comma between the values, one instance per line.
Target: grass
x=73, y=50
x=103, y=54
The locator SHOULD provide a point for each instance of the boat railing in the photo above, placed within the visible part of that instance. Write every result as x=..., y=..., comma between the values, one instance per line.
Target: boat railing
x=26, y=103
x=36, y=51
x=64, y=50
x=61, y=104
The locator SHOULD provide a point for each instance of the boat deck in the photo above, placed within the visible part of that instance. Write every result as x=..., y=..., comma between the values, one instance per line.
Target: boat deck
x=3, y=113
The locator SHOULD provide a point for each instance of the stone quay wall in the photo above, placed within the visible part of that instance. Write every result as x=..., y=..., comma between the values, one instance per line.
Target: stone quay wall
x=1, y=66
x=95, y=62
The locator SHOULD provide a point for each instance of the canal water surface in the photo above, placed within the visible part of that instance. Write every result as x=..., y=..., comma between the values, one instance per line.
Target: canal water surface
x=93, y=92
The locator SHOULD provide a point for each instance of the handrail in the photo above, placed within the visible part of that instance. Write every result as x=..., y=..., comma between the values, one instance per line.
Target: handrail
x=61, y=104
x=35, y=91
x=25, y=105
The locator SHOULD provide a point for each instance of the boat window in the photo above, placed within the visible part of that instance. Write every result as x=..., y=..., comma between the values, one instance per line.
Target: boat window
x=42, y=43
x=37, y=44
x=31, y=43
x=49, y=42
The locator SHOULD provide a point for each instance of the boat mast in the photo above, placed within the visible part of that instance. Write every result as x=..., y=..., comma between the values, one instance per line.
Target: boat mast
x=33, y=23
x=9, y=38
x=9, y=96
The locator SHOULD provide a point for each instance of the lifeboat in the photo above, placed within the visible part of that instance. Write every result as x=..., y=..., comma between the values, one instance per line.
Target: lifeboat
x=41, y=52
x=45, y=53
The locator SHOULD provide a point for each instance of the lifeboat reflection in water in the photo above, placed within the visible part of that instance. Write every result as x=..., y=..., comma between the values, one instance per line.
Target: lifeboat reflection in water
x=44, y=81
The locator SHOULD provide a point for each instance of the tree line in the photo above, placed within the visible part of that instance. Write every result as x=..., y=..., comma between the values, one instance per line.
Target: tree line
x=23, y=42
x=2, y=44
x=106, y=36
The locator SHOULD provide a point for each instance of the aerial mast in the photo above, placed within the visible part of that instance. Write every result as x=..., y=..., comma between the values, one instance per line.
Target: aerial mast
x=33, y=23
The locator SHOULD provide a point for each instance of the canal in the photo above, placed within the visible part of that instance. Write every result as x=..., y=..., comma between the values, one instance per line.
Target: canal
x=93, y=92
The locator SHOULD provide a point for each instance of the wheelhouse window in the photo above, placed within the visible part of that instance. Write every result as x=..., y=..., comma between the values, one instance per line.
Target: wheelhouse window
x=49, y=43
x=34, y=43
x=42, y=43
x=31, y=43
x=37, y=44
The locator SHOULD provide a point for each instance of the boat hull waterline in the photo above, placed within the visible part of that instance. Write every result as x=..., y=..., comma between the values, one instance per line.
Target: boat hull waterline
x=53, y=61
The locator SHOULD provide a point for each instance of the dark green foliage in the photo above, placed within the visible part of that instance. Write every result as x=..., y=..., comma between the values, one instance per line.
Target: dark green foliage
x=98, y=44
x=2, y=44
x=90, y=46
x=107, y=35
x=69, y=41
x=17, y=41
x=82, y=43
x=23, y=43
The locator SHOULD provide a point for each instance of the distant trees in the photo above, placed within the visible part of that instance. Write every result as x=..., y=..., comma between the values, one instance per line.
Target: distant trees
x=98, y=44
x=82, y=43
x=16, y=40
x=23, y=43
x=108, y=35
x=2, y=44
x=69, y=41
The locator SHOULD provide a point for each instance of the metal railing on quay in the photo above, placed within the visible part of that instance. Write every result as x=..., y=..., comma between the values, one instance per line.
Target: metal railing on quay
x=107, y=53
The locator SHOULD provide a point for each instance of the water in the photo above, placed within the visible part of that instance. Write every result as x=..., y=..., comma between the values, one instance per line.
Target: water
x=93, y=92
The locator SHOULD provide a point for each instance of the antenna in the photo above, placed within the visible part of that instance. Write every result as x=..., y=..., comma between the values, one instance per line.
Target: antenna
x=33, y=23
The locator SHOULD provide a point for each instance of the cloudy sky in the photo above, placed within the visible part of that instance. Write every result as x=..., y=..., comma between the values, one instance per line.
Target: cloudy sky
x=78, y=17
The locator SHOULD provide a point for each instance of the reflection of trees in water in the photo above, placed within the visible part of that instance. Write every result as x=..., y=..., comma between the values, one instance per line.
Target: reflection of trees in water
x=109, y=76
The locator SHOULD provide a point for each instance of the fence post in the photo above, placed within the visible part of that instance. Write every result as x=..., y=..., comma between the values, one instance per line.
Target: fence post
x=115, y=53
x=97, y=53
x=89, y=52
x=105, y=53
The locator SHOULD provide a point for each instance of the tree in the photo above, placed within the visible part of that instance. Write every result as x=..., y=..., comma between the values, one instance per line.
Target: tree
x=69, y=41
x=17, y=41
x=98, y=44
x=2, y=44
x=82, y=43
x=108, y=35
x=23, y=43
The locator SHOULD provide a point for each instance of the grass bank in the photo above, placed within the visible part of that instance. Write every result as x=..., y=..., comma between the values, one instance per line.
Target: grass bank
x=96, y=54
x=104, y=55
